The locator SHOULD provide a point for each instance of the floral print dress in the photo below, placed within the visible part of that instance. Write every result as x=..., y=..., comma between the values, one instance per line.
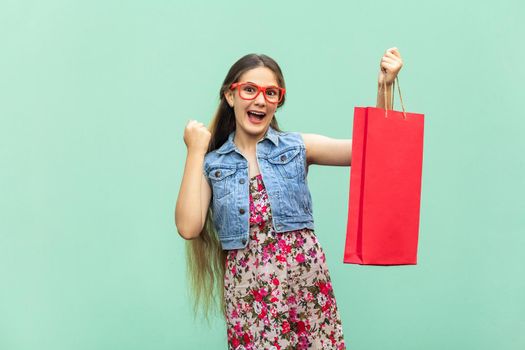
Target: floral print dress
x=278, y=292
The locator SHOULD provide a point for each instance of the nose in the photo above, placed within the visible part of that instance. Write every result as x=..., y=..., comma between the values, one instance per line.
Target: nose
x=260, y=99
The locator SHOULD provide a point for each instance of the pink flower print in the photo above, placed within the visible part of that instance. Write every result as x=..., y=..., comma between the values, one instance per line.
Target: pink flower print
x=256, y=219
x=301, y=327
x=303, y=341
x=262, y=314
x=292, y=313
x=326, y=306
x=300, y=258
x=236, y=342
x=332, y=339
x=324, y=288
x=235, y=314
x=275, y=281
x=257, y=295
x=309, y=297
x=286, y=327
x=246, y=338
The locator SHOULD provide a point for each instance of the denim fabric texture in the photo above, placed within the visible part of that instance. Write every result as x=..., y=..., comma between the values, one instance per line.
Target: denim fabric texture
x=281, y=157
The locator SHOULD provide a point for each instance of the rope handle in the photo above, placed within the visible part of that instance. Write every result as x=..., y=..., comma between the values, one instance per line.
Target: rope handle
x=393, y=90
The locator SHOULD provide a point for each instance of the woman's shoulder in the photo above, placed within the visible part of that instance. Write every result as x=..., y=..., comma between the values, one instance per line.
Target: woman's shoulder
x=291, y=137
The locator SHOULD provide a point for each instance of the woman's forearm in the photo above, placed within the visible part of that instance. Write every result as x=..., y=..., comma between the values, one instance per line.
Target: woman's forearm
x=188, y=209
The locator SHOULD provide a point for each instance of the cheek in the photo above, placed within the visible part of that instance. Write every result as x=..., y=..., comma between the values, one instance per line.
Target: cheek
x=242, y=107
x=240, y=104
x=240, y=111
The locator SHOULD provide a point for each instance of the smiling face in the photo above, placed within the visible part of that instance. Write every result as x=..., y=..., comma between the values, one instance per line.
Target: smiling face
x=246, y=123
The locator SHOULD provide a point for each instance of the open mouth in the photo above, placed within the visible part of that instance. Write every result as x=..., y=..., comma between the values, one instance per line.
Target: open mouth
x=256, y=116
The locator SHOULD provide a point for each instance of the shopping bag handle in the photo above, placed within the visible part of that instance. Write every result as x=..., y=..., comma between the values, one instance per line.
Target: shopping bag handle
x=393, y=90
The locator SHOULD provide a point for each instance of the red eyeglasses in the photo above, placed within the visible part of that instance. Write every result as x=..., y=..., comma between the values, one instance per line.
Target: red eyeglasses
x=249, y=91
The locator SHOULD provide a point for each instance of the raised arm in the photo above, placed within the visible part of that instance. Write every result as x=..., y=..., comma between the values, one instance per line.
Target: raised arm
x=327, y=151
x=195, y=193
x=324, y=150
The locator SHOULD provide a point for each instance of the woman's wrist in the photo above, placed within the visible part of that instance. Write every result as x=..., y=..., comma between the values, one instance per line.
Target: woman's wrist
x=380, y=86
x=196, y=152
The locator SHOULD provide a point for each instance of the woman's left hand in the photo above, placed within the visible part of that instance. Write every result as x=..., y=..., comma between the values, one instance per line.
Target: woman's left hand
x=390, y=65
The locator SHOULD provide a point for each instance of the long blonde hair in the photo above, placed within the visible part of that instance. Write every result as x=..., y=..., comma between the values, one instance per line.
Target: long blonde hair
x=206, y=259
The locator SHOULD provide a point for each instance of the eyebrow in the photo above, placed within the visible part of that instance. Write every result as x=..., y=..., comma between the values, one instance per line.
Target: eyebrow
x=258, y=84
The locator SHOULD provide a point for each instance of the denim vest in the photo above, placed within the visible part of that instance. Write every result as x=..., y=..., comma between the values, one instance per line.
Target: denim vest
x=281, y=157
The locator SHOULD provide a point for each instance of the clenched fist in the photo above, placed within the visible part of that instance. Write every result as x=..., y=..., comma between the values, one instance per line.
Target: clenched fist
x=390, y=65
x=196, y=137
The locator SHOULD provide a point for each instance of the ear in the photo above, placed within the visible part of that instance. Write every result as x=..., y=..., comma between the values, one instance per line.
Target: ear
x=229, y=97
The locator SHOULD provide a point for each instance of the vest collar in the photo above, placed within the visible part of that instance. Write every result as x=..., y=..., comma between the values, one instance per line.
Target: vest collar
x=229, y=145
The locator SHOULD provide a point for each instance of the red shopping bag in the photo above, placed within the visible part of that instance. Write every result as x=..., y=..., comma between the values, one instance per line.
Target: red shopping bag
x=385, y=187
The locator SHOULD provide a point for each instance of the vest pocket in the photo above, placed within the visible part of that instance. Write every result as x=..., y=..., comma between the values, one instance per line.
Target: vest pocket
x=221, y=180
x=287, y=163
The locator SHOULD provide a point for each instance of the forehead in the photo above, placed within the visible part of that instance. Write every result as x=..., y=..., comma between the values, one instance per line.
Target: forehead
x=260, y=75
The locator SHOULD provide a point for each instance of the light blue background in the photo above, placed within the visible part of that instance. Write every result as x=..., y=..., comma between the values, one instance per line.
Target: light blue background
x=94, y=97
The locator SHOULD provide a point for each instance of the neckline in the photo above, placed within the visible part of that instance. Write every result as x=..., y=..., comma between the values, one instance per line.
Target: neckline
x=256, y=176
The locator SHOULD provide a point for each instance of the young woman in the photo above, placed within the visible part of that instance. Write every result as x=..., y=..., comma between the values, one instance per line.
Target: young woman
x=245, y=208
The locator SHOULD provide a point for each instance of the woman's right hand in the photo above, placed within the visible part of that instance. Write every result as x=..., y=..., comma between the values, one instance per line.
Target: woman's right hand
x=197, y=137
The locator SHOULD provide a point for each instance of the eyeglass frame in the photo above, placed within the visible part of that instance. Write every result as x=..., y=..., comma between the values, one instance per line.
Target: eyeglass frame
x=259, y=90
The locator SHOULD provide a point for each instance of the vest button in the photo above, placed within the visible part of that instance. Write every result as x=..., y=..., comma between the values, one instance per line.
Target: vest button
x=283, y=157
x=241, y=181
x=243, y=241
x=217, y=173
x=241, y=211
